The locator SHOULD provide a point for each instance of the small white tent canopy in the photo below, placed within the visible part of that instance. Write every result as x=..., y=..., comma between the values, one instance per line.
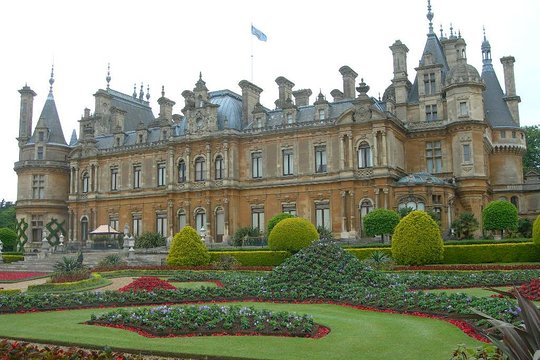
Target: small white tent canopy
x=105, y=230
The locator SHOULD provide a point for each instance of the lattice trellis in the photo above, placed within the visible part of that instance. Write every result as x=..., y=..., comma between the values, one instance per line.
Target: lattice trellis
x=22, y=238
x=55, y=229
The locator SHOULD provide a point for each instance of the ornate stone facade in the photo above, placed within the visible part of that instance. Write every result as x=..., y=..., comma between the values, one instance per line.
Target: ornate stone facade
x=448, y=142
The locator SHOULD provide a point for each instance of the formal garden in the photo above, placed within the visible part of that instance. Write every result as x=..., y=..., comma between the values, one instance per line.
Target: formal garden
x=304, y=296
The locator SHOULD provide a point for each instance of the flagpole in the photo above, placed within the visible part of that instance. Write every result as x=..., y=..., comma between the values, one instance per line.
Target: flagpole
x=251, y=37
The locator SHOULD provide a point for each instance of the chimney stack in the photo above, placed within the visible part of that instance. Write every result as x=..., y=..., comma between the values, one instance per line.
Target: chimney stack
x=349, y=81
x=301, y=97
x=512, y=100
x=25, y=117
x=285, y=91
x=336, y=94
x=251, y=94
x=165, y=107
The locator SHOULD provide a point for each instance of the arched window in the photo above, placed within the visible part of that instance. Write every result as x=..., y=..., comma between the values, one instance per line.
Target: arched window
x=219, y=168
x=200, y=220
x=200, y=169
x=364, y=156
x=366, y=206
x=515, y=200
x=84, y=229
x=220, y=224
x=182, y=219
x=181, y=171
x=412, y=202
x=85, y=182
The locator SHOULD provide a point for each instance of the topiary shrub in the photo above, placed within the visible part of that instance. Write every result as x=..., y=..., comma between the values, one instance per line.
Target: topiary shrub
x=417, y=240
x=380, y=222
x=500, y=215
x=8, y=238
x=275, y=219
x=188, y=249
x=240, y=234
x=292, y=235
x=536, y=231
x=150, y=240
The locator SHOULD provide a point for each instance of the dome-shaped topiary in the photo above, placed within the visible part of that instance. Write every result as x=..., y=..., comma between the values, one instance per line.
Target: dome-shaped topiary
x=380, y=222
x=536, y=231
x=500, y=215
x=417, y=240
x=188, y=249
x=275, y=220
x=292, y=235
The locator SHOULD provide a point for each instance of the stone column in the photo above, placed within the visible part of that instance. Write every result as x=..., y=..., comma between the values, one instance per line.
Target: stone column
x=376, y=191
x=349, y=136
x=344, y=233
x=188, y=164
x=384, y=149
x=208, y=226
x=97, y=178
x=341, y=152
x=76, y=180
x=226, y=159
x=170, y=170
x=71, y=176
x=352, y=232
x=374, y=151
x=209, y=162
x=170, y=221
x=386, y=191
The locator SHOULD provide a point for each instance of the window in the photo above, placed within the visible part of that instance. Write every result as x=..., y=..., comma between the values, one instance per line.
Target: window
x=113, y=222
x=515, y=201
x=463, y=109
x=37, y=227
x=429, y=84
x=85, y=183
x=200, y=220
x=84, y=229
x=161, y=224
x=433, y=157
x=141, y=138
x=40, y=153
x=114, y=179
x=38, y=186
x=137, y=176
x=41, y=136
x=181, y=171
x=289, y=208
x=364, y=156
x=288, y=162
x=513, y=134
x=412, y=203
x=320, y=159
x=321, y=114
x=466, y=153
x=137, y=225
x=366, y=206
x=503, y=134
x=257, y=218
x=219, y=168
x=161, y=174
x=200, y=169
x=182, y=219
x=436, y=199
x=431, y=112
x=256, y=165
x=289, y=119
x=322, y=215
x=117, y=141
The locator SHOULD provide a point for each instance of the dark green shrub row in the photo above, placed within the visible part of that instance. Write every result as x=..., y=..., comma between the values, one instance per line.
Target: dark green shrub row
x=9, y=291
x=254, y=258
x=491, y=253
x=486, y=241
x=12, y=258
x=95, y=281
x=364, y=253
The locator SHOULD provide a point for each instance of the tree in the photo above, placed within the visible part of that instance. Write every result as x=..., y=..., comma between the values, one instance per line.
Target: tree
x=500, y=215
x=7, y=216
x=8, y=238
x=380, y=222
x=465, y=225
x=531, y=160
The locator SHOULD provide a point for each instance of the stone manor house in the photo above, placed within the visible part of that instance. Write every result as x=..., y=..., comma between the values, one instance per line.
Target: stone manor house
x=445, y=139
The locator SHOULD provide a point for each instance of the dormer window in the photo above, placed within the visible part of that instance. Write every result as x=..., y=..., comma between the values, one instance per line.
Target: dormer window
x=429, y=84
x=41, y=136
x=503, y=134
x=289, y=119
x=141, y=138
x=463, y=109
x=321, y=114
x=431, y=112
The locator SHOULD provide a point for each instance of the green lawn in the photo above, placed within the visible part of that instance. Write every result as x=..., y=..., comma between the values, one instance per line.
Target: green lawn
x=354, y=335
x=192, y=284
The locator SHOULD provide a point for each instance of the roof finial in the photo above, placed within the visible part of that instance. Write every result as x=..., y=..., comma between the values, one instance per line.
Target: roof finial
x=51, y=82
x=459, y=33
x=452, y=32
x=141, y=93
x=200, y=75
x=108, y=78
x=430, y=17
x=134, y=90
x=484, y=30
x=147, y=92
x=162, y=90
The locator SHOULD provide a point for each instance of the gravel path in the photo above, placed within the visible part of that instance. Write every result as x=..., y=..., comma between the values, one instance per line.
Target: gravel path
x=117, y=283
x=23, y=285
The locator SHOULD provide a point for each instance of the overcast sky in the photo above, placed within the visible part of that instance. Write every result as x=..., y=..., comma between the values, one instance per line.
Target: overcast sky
x=168, y=42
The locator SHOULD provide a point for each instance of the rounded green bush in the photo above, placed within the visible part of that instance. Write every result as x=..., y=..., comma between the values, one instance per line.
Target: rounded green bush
x=188, y=249
x=8, y=238
x=500, y=215
x=536, y=231
x=380, y=222
x=292, y=235
x=275, y=219
x=417, y=240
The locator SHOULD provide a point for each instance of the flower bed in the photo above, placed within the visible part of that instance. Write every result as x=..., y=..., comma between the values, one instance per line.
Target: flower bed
x=12, y=276
x=530, y=290
x=200, y=320
x=173, y=267
x=147, y=283
x=94, y=282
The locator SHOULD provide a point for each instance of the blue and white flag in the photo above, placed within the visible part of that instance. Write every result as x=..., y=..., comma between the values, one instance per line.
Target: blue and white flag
x=258, y=33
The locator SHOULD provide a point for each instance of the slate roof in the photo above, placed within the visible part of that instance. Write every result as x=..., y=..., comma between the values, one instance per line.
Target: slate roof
x=420, y=178
x=49, y=119
x=230, y=107
x=137, y=110
x=495, y=108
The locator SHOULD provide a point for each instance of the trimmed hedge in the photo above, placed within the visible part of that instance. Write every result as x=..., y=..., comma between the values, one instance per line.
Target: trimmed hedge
x=9, y=291
x=95, y=281
x=254, y=258
x=491, y=253
x=12, y=258
x=364, y=253
x=536, y=231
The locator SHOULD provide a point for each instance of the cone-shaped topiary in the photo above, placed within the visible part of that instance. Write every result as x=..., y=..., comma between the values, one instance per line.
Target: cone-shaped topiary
x=292, y=235
x=417, y=240
x=536, y=231
x=188, y=249
x=322, y=265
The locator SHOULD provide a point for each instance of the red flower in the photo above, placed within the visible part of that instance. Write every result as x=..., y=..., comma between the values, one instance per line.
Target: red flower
x=147, y=283
x=19, y=275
